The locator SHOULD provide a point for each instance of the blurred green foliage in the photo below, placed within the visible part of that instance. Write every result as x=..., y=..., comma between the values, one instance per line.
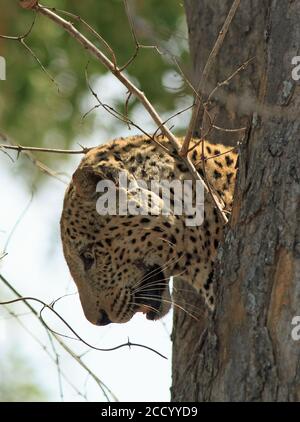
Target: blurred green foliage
x=32, y=110
x=18, y=380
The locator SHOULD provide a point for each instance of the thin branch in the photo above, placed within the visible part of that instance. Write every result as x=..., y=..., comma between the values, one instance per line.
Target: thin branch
x=9, y=237
x=45, y=348
x=45, y=169
x=19, y=219
x=174, y=115
x=27, y=151
x=202, y=138
x=21, y=148
x=91, y=29
x=212, y=93
x=219, y=155
x=115, y=113
x=21, y=39
x=57, y=363
x=138, y=46
x=186, y=79
x=6, y=153
x=129, y=94
x=211, y=188
x=40, y=63
x=242, y=67
x=77, y=336
x=100, y=384
x=89, y=46
x=205, y=73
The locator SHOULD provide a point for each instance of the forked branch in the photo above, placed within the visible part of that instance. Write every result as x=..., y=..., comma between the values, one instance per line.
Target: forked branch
x=204, y=76
x=115, y=70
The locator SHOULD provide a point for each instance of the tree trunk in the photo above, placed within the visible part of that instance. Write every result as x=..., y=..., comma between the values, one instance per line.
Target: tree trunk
x=245, y=351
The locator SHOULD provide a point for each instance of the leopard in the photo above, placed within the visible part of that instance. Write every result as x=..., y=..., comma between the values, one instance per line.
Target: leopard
x=122, y=264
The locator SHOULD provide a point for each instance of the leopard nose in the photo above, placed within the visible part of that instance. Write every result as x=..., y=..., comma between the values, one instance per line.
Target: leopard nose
x=103, y=319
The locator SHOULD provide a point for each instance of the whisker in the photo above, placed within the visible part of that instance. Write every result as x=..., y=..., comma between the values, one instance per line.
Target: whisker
x=160, y=286
x=155, y=283
x=190, y=305
x=152, y=283
x=149, y=306
x=157, y=270
x=157, y=298
x=175, y=289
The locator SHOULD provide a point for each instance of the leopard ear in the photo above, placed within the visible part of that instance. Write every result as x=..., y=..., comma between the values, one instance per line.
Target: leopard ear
x=86, y=178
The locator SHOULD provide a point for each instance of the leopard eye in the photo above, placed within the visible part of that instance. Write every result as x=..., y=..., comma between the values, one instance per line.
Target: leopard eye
x=87, y=259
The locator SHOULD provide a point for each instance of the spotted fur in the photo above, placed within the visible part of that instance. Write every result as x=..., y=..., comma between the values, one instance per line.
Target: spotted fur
x=122, y=264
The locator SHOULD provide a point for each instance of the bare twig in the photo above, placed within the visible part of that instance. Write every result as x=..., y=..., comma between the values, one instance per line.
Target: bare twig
x=211, y=188
x=3, y=255
x=77, y=336
x=212, y=93
x=40, y=63
x=227, y=80
x=28, y=152
x=172, y=117
x=126, y=107
x=21, y=39
x=219, y=155
x=18, y=222
x=122, y=117
x=101, y=385
x=89, y=46
x=138, y=46
x=55, y=358
x=204, y=136
x=6, y=153
x=88, y=26
x=21, y=148
x=41, y=166
x=205, y=73
x=186, y=79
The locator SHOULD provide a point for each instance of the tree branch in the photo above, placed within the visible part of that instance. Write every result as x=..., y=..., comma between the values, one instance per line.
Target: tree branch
x=99, y=55
x=204, y=76
x=21, y=148
x=101, y=385
x=77, y=336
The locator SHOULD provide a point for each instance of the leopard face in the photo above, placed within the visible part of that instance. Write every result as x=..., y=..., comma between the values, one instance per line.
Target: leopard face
x=122, y=264
x=119, y=270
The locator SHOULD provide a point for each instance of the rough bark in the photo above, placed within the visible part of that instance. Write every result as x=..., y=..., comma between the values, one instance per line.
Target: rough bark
x=244, y=351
